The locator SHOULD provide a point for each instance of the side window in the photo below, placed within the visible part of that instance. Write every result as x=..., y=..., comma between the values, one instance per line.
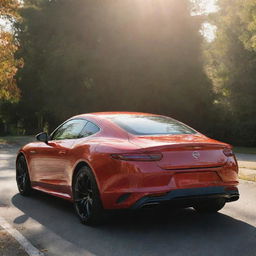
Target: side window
x=69, y=130
x=89, y=129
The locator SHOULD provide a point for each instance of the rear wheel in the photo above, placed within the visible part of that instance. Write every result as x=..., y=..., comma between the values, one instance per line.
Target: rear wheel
x=210, y=206
x=86, y=197
x=22, y=177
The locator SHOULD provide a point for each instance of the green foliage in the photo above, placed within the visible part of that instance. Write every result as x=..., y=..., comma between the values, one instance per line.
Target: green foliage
x=231, y=66
x=247, y=16
x=96, y=55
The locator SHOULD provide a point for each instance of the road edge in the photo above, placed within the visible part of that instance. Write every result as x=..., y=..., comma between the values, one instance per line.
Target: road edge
x=24, y=242
x=247, y=174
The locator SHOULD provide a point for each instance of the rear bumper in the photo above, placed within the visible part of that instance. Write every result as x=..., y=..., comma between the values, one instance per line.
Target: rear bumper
x=131, y=184
x=188, y=197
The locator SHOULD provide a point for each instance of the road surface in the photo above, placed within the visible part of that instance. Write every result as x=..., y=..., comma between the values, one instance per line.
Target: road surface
x=51, y=225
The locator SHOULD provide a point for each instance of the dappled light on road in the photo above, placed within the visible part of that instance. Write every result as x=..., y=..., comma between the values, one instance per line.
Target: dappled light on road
x=51, y=223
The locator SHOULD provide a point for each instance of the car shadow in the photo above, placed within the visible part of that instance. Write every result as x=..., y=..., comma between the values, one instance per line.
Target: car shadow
x=149, y=232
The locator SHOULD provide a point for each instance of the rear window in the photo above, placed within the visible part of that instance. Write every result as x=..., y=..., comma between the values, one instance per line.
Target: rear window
x=151, y=125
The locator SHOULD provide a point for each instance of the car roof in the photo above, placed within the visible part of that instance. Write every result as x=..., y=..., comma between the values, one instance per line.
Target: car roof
x=113, y=113
x=103, y=120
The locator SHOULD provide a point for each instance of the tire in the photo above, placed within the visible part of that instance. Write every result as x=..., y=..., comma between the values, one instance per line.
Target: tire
x=22, y=176
x=211, y=206
x=86, y=197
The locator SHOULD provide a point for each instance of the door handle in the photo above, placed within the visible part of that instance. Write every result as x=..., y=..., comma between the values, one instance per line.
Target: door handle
x=62, y=152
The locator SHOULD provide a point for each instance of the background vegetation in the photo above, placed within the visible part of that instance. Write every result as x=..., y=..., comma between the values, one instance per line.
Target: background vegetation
x=67, y=57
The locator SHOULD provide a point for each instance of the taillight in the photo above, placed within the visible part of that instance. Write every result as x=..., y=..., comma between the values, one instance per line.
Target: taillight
x=228, y=152
x=138, y=157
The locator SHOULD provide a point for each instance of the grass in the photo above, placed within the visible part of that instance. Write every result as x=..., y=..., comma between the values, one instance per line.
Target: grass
x=245, y=150
x=18, y=140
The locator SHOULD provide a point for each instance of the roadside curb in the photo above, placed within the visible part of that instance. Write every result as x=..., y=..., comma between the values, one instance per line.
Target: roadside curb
x=9, y=246
x=247, y=174
x=11, y=238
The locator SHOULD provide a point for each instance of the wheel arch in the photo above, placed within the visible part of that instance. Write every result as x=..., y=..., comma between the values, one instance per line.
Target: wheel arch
x=78, y=166
x=22, y=153
x=19, y=155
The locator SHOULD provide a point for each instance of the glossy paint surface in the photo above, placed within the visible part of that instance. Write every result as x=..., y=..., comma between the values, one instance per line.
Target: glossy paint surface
x=188, y=161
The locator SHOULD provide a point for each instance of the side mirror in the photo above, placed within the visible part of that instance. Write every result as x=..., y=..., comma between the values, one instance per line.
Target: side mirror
x=42, y=136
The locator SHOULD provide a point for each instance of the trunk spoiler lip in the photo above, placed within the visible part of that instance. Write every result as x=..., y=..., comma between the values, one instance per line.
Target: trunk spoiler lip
x=194, y=168
x=181, y=146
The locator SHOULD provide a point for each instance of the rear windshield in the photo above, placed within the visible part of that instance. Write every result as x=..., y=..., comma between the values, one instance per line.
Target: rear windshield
x=151, y=125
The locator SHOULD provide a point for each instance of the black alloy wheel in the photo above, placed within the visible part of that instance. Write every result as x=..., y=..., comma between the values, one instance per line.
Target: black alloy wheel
x=86, y=197
x=22, y=176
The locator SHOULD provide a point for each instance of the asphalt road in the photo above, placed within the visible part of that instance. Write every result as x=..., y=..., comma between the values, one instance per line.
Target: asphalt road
x=51, y=225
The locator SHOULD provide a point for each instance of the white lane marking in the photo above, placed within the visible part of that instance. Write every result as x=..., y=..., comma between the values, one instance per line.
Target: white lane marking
x=28, y=247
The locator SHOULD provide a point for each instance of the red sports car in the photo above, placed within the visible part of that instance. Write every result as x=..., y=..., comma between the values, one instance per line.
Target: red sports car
x=118, y=160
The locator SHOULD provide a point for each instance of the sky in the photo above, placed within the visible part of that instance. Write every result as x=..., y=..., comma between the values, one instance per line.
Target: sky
x=5, y=25
x=210, y=6
x=208, y=30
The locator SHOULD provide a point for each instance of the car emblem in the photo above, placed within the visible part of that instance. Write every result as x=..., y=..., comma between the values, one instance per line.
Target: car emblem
x=196, y=154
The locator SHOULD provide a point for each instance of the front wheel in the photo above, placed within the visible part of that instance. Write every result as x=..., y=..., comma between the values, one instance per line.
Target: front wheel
x=210, y=206
x=22, y=177
x=86, y=197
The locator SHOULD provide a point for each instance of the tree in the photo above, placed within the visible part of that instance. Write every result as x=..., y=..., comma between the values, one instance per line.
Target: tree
x=8, y=9
x=231, y=66
x=8, y=46
x=247, y=16
x=95, y=55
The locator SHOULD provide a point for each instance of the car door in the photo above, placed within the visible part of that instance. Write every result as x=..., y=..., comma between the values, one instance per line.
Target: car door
x=51, y=161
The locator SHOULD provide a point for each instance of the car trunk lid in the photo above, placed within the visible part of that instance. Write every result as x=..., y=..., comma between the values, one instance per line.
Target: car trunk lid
x=184, y=151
